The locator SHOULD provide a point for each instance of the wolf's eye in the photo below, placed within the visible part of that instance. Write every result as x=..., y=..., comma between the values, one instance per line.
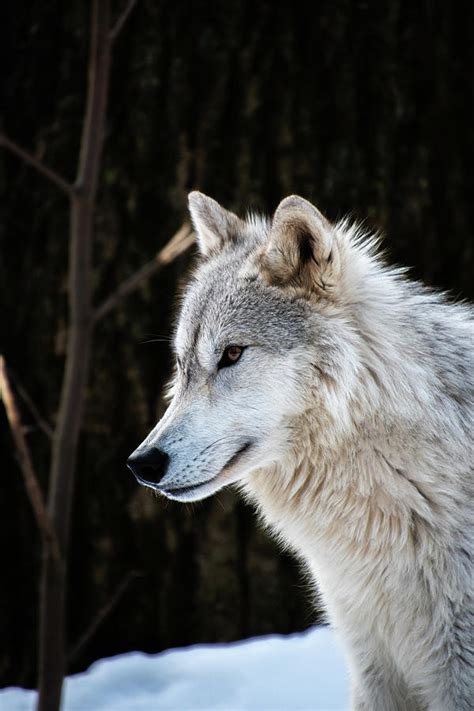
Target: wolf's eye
x=230, y=356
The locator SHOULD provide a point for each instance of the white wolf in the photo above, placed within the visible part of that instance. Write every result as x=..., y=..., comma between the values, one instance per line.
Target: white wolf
x=339, y=395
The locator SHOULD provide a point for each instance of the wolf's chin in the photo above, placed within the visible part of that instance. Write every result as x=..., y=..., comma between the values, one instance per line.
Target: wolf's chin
x=198, y=492
x=202, y=490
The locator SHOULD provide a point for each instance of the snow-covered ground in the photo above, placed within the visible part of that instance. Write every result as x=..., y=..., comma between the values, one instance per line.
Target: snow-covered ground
x=274, y=673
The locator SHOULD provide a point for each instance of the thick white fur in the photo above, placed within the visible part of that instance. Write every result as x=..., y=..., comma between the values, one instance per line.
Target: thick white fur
x=375, y=491
x=362, y=428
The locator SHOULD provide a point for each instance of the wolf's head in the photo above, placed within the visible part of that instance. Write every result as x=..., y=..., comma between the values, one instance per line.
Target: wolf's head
x=260, y=340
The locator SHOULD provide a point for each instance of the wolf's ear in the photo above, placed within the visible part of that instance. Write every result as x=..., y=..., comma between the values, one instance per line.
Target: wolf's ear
x=302, y=248
x=213, y=224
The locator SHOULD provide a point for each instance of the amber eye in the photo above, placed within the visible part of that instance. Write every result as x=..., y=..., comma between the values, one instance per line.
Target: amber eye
x=230, y=356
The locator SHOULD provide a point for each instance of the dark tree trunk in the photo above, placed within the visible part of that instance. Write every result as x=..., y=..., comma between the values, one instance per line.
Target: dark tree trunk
x=52, y=644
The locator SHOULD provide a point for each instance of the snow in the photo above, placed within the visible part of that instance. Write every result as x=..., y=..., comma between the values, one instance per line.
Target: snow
x=274, y=673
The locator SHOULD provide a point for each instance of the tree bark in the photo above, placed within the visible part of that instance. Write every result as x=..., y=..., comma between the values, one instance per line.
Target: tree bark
x=52, y=657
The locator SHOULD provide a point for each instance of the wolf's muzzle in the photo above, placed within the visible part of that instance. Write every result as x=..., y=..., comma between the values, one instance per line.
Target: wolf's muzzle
x=149, y=465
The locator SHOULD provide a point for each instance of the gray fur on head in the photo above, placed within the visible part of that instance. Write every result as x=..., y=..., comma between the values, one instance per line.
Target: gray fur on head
x=214, y=226
x=301, y=248
x=338, y=395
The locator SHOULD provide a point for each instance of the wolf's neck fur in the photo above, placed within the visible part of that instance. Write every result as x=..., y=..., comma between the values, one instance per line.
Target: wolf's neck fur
x=359, y=478
x=344, y=501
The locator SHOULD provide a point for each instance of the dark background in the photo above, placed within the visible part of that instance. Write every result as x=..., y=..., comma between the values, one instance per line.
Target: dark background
x=362, y=107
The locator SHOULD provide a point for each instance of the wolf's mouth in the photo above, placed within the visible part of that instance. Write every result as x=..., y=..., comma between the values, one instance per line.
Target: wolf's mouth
x=232, y=460
x=194, y=488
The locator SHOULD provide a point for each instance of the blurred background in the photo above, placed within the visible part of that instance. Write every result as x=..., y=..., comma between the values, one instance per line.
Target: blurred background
x=362, y=107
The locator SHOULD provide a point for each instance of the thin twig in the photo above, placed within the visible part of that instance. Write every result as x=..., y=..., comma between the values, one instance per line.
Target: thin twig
x=121, y=20
x=26, y=465
x=103, y=613
x=42, y=423
x=178, y=244
x=30, y=159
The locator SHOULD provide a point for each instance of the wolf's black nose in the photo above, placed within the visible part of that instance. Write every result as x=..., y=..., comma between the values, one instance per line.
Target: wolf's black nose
x=148, y=465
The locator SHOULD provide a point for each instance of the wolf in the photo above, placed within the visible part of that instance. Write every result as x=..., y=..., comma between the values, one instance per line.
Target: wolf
x=338, y=396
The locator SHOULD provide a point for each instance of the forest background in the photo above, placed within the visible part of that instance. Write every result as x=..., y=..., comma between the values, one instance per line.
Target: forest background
x=365, y=108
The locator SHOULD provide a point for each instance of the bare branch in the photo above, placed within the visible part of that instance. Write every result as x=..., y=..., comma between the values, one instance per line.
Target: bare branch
x=26, y=465
x=36, y=163
x=121, y=20
x=178, y=244
x=42, y=423
x=51, y=653
x=103, y=613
